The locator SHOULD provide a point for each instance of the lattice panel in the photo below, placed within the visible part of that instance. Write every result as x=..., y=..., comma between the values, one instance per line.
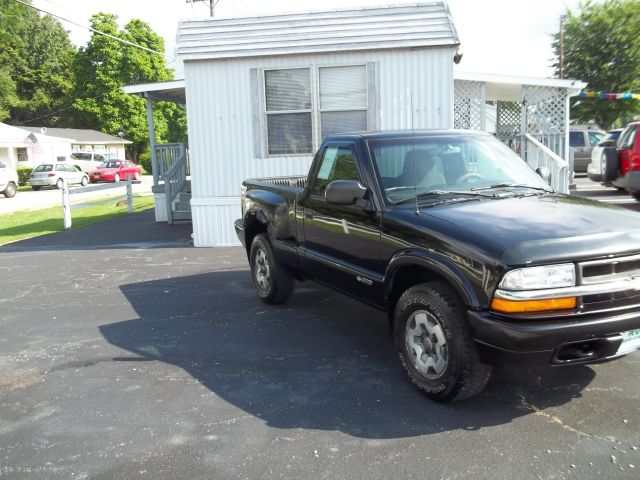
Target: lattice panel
x=468, y=105
x=545, y=109
x=508, y=118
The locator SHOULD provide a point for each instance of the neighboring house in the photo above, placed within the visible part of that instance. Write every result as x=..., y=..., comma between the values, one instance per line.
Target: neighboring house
x=31, y=146
x=261, y=94
x=12, y=145
x=83, y=140
x=22, y=147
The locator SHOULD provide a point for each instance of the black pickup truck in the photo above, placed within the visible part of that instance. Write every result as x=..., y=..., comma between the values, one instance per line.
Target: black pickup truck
x=472, y=255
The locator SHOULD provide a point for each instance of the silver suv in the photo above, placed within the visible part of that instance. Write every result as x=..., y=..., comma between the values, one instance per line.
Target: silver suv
x=582, y=141
x=8, y=180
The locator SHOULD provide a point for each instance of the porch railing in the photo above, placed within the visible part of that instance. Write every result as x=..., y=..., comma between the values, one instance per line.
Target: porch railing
x=536, y=154
x=167, y=155
x=174, y=179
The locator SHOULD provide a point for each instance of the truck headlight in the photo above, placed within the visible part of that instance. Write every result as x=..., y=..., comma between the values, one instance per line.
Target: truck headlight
x=536, y=278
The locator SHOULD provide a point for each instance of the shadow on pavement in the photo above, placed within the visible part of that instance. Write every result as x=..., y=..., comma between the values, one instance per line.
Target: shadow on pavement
x=136, y=230
x=322, y=361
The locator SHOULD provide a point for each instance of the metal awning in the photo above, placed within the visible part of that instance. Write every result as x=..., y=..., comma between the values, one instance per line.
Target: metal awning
x=171, y=91
x=508, y=87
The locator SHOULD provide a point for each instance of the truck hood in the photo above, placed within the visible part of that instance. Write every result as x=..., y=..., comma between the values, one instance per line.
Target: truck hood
x=545, y=228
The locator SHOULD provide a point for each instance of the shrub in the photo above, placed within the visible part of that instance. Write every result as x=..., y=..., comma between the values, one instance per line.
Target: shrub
x=144, y=159
x=24, y=173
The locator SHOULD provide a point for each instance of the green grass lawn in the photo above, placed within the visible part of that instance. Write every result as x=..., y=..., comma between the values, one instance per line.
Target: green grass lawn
x=32, y=223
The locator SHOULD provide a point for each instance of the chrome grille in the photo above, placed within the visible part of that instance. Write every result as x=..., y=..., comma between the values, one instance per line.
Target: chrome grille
x=608, y=270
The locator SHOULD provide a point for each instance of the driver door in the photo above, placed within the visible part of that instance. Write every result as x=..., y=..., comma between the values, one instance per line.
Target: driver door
x=341, y=242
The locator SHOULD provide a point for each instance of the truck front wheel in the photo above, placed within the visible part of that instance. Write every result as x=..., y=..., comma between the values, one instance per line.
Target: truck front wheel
x=435, y=345
x=273, y=282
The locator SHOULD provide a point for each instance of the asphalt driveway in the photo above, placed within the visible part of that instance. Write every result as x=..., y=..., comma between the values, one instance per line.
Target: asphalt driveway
x=126, y=353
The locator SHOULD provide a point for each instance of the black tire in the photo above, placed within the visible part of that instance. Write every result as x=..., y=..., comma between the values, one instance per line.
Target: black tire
x=273, y=282
x=85, y=181
x=636, y=195
x=448, y=372
x=10, y=190
x=609, y=164
x=35, y=188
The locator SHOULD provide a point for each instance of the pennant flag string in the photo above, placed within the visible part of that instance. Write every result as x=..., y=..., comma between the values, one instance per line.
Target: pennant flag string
x=611, y=96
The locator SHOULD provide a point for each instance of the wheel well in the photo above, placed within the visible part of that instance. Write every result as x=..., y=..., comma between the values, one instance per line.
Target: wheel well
x=406, y=277
x=253, y=227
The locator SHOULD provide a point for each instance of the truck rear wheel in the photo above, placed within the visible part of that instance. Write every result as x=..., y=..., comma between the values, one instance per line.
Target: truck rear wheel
x=435, y=345
x=273, y=282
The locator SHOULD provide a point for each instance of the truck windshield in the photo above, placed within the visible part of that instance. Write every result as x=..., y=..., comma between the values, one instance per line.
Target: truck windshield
x=455, y=163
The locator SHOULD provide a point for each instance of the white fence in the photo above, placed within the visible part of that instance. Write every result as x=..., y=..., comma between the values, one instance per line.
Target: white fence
x=538, y=155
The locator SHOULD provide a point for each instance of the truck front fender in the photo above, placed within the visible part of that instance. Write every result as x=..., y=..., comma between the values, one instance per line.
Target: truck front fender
x=435, y=264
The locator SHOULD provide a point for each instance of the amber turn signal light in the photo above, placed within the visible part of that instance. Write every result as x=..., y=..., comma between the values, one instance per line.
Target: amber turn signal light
x=523, y=306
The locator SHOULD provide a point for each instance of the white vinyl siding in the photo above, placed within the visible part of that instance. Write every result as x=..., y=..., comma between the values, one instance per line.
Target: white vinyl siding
x=227, y=120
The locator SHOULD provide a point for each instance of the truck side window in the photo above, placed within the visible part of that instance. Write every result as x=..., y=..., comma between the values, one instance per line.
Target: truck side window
x=337, y=164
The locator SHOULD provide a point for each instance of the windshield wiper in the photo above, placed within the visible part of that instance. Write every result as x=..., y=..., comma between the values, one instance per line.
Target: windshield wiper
x=453, y=194
x=517, y=185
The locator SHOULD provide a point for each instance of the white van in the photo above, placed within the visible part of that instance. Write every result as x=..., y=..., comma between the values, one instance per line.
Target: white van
x=8, y=180
x=88, y=161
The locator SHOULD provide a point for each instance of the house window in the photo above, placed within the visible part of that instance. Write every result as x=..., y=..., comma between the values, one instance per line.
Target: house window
x=288, y=111
x=303, y=104
x=22, y=154
x=343, y=99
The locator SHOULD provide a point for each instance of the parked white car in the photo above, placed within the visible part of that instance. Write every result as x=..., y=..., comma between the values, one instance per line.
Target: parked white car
x=88, y=161
x=53, y=174
x=8, y=180
x=594, y=170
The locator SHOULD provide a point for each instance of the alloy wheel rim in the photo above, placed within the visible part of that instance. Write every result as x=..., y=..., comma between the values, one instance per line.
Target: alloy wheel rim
x=262, y=271
x=426, y=344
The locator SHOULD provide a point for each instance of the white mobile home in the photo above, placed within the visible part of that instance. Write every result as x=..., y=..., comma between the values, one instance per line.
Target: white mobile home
x=263, y=92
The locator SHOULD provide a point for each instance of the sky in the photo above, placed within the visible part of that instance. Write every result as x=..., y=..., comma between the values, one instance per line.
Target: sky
x=510, y=37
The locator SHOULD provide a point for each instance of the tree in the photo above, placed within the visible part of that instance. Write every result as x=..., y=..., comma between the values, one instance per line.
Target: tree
x=8, y=97
x=602, y=47
x=37, y=58
x=105, y=65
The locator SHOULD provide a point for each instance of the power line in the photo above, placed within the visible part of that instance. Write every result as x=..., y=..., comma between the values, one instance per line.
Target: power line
x=121, y=40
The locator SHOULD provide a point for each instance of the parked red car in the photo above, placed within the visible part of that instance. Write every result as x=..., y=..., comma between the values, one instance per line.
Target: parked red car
x=621, y=164
x=116, y=170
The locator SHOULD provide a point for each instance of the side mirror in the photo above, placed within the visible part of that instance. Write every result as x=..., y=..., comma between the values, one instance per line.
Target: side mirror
x=345, y=192
x=544, y=173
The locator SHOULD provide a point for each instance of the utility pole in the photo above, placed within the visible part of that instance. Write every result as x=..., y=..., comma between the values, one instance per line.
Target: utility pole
x=562, y=17
x=212, y=4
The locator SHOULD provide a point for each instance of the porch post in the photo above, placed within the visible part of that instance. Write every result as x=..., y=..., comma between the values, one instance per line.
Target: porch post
x=152, y=139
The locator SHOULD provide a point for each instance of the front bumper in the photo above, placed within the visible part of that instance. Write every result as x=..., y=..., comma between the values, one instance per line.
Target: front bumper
x=572, y=340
